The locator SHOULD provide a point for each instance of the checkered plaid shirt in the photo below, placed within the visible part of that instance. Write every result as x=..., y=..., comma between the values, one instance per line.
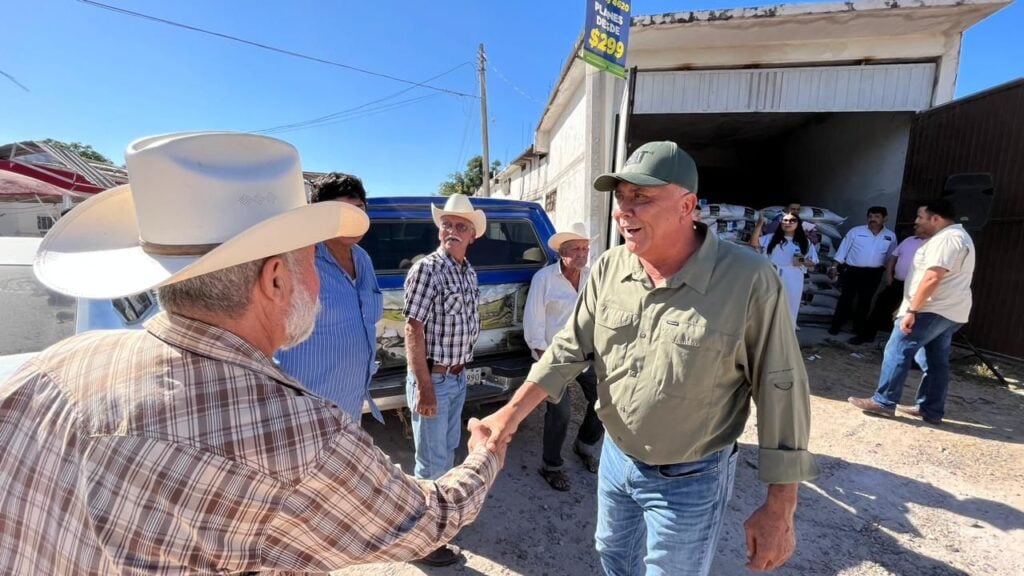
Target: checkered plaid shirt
x=444, y=295
x=182, y=449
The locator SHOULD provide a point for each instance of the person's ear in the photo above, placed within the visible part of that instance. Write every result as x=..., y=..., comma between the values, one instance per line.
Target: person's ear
x=689, y=203
x=274, y=280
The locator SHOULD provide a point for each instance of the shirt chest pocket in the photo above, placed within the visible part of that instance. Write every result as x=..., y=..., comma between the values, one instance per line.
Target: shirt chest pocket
x=614, y=332
x=452, y=302
x=689, y=356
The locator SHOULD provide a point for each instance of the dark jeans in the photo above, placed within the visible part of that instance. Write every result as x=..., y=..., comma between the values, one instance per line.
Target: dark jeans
x=859, y=284
x=885, y=306
x=556, y=422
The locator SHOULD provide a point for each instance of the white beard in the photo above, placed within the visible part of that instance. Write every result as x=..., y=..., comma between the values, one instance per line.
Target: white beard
x=301, y=318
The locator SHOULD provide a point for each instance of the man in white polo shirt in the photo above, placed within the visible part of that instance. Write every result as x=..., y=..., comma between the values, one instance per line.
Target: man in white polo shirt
x=936, y=304
x=864, y=251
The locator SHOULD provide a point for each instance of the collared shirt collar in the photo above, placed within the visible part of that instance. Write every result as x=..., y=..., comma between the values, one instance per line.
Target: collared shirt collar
x=558, y=268
x=695, y=273
x=215, y=343
x=451, y=259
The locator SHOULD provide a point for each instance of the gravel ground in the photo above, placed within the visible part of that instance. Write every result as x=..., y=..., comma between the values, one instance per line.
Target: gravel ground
x=896, y=496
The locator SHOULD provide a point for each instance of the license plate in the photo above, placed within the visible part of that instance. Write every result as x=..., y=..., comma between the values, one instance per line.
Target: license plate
x=474, y=376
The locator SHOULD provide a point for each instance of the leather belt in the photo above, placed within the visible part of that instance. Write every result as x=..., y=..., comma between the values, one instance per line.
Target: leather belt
x=442, y=369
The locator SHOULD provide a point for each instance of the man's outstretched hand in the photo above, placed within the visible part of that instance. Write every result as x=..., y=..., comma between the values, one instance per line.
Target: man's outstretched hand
x=495, y=430
x=480, y=435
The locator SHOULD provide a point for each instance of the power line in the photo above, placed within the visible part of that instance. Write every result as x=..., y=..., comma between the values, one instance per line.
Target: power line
x=15, y=80
x=271, y=48
x=350, y=117
x=513, y=86
x=468, y=113
x=320, y=120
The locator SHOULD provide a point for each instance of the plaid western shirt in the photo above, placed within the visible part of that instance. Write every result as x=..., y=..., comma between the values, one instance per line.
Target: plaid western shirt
x=444, y=295
x=182, y=449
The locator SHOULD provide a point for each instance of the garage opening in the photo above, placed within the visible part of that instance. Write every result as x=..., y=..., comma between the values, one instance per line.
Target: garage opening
x=843, y=162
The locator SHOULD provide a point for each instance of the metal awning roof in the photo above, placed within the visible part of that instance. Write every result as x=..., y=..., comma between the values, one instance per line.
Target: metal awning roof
x=33, y=169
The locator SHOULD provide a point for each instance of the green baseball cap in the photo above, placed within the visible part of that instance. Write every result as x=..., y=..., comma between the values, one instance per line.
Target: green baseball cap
x=653, y=164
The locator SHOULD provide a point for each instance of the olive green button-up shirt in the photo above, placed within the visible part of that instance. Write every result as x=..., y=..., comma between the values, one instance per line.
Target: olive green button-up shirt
x=677, y=365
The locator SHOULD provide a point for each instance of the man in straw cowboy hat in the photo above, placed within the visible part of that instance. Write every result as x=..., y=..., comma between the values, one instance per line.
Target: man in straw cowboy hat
x=682, y=331
x=442, y=311
x=182, y=448
x=553, y=294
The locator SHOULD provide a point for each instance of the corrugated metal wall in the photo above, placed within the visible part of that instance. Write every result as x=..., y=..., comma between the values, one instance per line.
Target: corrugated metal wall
x=981, y=133
x=878, y=88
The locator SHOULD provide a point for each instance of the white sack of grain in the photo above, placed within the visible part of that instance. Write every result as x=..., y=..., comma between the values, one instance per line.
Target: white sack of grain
x=816, y=215
x=730, y=212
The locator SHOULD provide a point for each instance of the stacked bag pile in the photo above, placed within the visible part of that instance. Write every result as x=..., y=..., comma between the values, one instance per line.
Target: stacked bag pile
x=820, y=293
x=730, y=222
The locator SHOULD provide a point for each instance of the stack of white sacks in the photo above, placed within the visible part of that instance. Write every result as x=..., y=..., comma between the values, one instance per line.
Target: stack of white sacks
x=735, y=223
x=820, y=293
x=730, y=222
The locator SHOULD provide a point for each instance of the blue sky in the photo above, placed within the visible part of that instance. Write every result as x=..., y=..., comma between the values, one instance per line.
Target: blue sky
x=104, y=79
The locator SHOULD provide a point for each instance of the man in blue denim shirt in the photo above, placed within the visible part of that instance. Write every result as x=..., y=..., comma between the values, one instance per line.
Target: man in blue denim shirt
x=338, y=360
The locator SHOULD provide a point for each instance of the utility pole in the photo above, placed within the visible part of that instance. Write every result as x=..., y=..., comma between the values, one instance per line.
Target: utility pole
x=483, y=124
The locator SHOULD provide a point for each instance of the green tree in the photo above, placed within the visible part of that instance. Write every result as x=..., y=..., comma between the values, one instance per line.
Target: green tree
x=469, y=180
x=84, y=150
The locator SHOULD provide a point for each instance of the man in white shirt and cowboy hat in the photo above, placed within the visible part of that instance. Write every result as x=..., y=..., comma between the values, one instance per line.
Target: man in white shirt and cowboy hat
x=553, y=294
x=442, y=311
x=182, y=447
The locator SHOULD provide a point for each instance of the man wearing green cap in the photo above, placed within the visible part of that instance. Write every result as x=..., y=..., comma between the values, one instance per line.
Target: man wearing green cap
x=682, y=332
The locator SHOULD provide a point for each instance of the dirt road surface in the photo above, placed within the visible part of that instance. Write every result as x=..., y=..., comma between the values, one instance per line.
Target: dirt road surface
x=895, y=496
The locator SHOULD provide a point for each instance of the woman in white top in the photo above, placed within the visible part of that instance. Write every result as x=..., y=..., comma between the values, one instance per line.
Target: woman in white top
x=791, y=253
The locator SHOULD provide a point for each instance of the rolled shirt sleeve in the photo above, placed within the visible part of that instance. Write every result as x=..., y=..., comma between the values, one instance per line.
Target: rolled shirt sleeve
x=844, y=248
x=780, y=388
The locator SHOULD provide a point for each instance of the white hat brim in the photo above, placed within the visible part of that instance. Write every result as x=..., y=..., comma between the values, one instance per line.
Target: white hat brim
x=94, y=251
x=477, y=217
x=556, y=240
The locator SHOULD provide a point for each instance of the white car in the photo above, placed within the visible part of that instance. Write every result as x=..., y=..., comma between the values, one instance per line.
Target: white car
x=33, y=316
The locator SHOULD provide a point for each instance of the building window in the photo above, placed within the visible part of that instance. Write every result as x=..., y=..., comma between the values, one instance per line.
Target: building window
x=44, y=223
x=550, y=200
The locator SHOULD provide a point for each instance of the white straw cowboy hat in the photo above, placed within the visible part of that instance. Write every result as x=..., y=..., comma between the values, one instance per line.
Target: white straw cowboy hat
x=575, y=232
x=459, y=205
x=197, y=202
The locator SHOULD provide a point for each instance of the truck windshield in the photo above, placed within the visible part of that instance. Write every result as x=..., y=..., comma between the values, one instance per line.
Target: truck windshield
x=394, y=245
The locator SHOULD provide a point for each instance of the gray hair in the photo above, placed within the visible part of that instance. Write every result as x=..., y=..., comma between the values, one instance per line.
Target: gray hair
x=224, y=292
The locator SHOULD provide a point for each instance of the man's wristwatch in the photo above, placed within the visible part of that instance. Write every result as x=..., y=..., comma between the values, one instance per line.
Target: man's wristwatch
x=914, y=312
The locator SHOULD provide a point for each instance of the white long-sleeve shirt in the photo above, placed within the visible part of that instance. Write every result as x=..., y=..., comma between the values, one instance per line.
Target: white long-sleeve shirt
x=863, y=249
x=549, y=305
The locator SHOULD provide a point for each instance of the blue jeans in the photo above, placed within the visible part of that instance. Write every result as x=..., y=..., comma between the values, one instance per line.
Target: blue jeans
x=930, y=340
x=675, y=511
x=436, y=437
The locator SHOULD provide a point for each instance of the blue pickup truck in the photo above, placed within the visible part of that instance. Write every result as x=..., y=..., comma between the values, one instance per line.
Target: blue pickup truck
x=513, y=248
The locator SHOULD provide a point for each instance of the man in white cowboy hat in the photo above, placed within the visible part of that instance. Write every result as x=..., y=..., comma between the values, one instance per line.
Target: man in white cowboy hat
x=182, y=448
x=442, y=311
x=683, y=332
x=552, y=297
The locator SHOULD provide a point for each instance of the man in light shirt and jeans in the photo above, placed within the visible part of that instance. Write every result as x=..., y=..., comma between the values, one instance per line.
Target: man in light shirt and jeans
x=936, y=304
x=553, y=294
